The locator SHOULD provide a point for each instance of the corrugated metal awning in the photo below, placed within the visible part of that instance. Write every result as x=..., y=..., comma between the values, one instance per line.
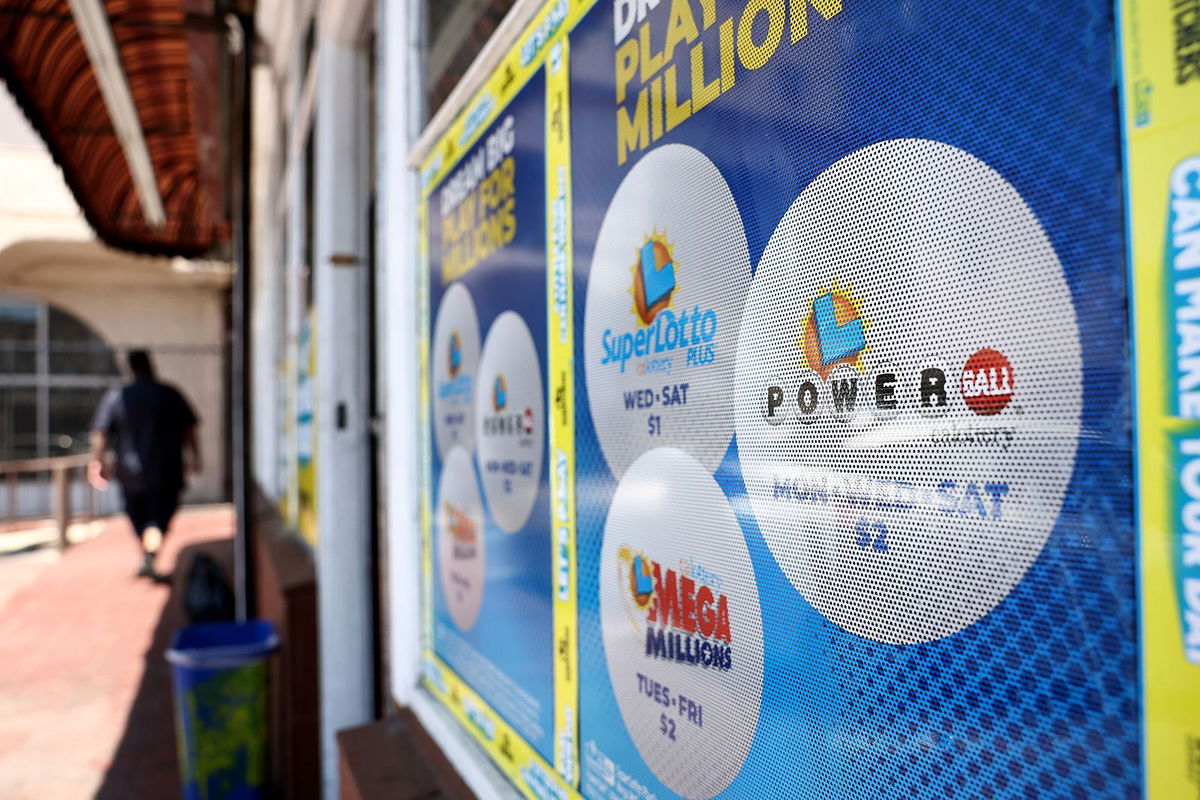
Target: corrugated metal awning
x=171, y=52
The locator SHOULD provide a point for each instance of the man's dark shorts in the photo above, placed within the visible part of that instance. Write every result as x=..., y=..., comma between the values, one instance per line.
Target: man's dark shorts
x=151, y=509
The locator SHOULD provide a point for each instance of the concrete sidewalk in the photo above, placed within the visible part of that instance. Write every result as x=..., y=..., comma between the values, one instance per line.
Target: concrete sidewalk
x=85, y=703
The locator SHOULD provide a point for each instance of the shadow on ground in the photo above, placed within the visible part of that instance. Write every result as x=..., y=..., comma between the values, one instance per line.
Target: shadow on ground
x=145, y=763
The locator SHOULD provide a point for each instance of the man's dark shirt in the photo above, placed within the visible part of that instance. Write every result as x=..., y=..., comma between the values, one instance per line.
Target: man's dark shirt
x=146, y=422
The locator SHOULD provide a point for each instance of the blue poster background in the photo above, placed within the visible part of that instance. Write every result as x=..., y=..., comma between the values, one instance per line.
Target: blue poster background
x=1039, y=699
x=508, y=658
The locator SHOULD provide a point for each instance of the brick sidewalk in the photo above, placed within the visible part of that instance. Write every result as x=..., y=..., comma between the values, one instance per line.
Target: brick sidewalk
x=85, y=705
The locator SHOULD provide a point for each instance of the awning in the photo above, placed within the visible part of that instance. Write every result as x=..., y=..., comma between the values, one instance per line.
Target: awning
x=172, y=54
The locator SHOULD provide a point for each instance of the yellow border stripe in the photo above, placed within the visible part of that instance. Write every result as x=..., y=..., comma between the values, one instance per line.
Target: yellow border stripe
x=1162, y=129
x=515, y=757
x=560, y=336
x=544, y=41
x=425, y=452
x=523, y=59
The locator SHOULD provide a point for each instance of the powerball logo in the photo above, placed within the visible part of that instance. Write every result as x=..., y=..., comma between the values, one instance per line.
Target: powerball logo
x=660, y=332
x=836, y=381
x=684, y=615
x=503, y=422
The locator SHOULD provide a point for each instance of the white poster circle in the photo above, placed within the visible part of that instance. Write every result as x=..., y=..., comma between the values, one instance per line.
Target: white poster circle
x=681, y=623
x=909, y=390
x=510, y=421
x=461, y=539
x=665, y=291
x=455, y=357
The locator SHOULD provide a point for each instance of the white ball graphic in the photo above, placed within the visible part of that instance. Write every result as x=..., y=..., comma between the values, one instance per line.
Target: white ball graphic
x=681, y=623
x=455, y=357
x=908, y=391
x=461, y=539
x=665, y=291
x=510, y=421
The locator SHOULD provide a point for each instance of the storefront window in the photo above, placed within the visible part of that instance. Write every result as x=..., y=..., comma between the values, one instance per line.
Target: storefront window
x=457, y=30
x=53, y=371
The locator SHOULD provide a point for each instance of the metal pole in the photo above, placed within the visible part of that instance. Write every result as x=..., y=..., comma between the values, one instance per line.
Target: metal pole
x=240, y=356
x=62, y=504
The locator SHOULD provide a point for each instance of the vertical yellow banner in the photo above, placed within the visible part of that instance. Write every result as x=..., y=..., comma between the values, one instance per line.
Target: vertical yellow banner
x=424, y=399
x=562, y=407
x=1161, y=109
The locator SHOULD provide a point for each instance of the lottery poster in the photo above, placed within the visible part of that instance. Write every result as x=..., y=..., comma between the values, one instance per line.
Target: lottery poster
x=1161, y=94
x=853, y=446
x=489, y=512
x=794, y=379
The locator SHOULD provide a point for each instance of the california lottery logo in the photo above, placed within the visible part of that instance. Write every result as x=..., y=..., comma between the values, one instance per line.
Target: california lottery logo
x=834, y=332
x=836, y=382
x=658, y=331
x=463, y=532
x=499, y=393
x=682, y=614
x=653, y=278
x=504, y=422
x=454, y=356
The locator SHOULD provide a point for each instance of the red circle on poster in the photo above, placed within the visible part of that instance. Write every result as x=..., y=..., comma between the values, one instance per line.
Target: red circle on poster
x=987, y=382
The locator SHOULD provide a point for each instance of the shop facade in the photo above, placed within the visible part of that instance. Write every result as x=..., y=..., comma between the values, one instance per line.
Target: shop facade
x=750, y=399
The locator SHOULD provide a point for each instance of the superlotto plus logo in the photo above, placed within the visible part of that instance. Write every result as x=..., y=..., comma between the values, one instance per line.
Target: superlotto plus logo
x=684, y=615
x=660, y=333
x=836, y=381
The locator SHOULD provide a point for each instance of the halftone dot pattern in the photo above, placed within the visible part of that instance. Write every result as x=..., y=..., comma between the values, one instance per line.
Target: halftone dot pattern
x=906, y=515
x=677, y=196
x=696, y=732
x=510, y=421
x=517, y=595
x=1038, y=698
x=454, y=360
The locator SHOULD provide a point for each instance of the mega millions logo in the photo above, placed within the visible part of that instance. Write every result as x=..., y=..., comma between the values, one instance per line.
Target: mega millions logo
x=836, y=378
x=504, y=422
x=658, y=332
x=454, y=355
x=463, y=533
x=682, y=613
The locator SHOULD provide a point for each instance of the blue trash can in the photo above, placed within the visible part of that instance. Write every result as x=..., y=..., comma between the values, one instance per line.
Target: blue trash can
x=221, y=702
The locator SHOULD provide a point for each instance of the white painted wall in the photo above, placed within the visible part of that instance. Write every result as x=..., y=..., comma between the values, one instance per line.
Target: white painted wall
x=343, y=443
x=400, y=101
x=268, y=391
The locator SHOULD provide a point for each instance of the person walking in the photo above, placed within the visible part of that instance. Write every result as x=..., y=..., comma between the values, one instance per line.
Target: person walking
x=152, y=429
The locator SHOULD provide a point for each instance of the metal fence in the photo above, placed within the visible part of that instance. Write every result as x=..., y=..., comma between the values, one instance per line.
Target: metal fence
x=49, y=395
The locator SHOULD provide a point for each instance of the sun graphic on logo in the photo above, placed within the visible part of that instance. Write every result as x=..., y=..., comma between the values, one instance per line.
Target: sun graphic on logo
x=636, y=573
x=653, y=277
x=462, y=527
x=499, y=393
x=833, y=332
x=454, y=356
